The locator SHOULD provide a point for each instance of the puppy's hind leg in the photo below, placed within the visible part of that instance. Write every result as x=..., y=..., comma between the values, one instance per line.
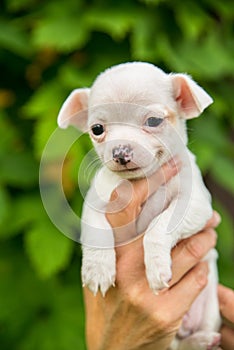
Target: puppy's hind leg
x=200, y=341
x=203, y=335
x=211, y=320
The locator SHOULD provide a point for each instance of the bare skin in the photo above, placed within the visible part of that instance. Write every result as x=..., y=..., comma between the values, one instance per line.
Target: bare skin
x=131, y=317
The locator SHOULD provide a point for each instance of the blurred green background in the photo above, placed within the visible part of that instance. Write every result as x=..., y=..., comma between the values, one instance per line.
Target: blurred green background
x=48, y=48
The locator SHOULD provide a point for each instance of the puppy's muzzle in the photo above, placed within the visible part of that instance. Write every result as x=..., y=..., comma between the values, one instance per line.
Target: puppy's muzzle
x=122, y=154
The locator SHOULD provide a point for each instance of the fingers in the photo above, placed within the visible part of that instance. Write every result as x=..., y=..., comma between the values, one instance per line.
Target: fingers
x=227, y=339
x=214, y=220
x=146, y=187
x=182, y=295
x=226, y=303
x=143, y=188
x=126, y=200
x=190, y=251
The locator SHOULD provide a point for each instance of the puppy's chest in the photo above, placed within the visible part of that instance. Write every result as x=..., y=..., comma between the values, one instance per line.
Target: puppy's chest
x=156, y=204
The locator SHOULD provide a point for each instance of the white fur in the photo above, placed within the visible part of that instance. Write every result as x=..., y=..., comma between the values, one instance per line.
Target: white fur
x=122, y=99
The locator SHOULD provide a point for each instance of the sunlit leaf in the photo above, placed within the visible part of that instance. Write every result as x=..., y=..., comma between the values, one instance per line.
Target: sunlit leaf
x=13, y=38
x=48, y=249
x=62, y=33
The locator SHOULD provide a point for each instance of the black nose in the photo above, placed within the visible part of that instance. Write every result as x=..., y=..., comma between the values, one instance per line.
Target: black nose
x=122, y=154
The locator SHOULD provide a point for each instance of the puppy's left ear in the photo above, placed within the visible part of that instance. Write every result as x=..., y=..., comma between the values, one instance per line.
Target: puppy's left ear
x=74, y=111
x=190, y=97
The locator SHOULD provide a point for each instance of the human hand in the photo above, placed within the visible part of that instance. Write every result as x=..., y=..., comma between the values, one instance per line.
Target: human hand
x=226, y=302
x=131, y=316
x=127, y=199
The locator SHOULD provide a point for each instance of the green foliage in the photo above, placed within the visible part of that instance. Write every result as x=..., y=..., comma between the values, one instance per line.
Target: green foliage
x=48, y=250
x=48, y=48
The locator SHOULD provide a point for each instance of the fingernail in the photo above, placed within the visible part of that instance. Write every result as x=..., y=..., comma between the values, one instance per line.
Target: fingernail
x=217, y=218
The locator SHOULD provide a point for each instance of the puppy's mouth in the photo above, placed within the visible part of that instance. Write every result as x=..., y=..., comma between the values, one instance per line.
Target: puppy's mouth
x=122, y=168
x=130, y=173
x=127, y=169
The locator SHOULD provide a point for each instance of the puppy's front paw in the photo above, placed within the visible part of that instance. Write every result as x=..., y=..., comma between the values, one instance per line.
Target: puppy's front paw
x=158, y=268
x=98, y=269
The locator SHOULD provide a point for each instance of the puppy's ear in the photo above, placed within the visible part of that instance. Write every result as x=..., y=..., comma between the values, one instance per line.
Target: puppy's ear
x=190, y=97
x=74, y=111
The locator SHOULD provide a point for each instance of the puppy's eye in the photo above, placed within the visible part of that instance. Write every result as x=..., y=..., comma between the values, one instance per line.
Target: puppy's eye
x=152, y=122
x=97, y=129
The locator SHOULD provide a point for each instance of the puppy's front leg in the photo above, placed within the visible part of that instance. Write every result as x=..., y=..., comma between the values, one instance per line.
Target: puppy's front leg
x=98, y=269
x=165, y=231
x=157, y=254
x=98, y=260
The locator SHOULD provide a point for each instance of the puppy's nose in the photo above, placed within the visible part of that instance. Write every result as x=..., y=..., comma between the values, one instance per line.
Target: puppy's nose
x=122, y=154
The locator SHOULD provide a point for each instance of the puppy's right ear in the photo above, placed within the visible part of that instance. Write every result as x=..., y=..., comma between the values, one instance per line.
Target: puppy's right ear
x=74, y=111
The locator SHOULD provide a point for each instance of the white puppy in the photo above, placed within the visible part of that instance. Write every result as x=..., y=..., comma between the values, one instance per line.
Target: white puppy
x=135, y=114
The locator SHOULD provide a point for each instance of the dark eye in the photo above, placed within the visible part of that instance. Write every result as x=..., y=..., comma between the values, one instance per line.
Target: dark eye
x=153, y=122
x=97, y=129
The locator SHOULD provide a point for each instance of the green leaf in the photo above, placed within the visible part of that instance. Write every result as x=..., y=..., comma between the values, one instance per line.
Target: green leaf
x=46, y=308
x=115, y=22
x=16, y=5
x=197, y=57
x=9, y=135
x=64, y=318
x=225, y=244
x=142, y=37
x=153, y=2
x=4, y=205
x=73, y=77
x=205, y=155
x=19, y=169
x=48, y=249
x=193, y=20
x=44, y=129
x=27, y=209
x=223, y=172
x=64, y=33
x=45, y=102
x=14, y=39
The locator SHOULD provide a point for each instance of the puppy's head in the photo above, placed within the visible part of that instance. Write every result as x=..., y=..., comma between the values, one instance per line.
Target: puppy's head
x=135, y=115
